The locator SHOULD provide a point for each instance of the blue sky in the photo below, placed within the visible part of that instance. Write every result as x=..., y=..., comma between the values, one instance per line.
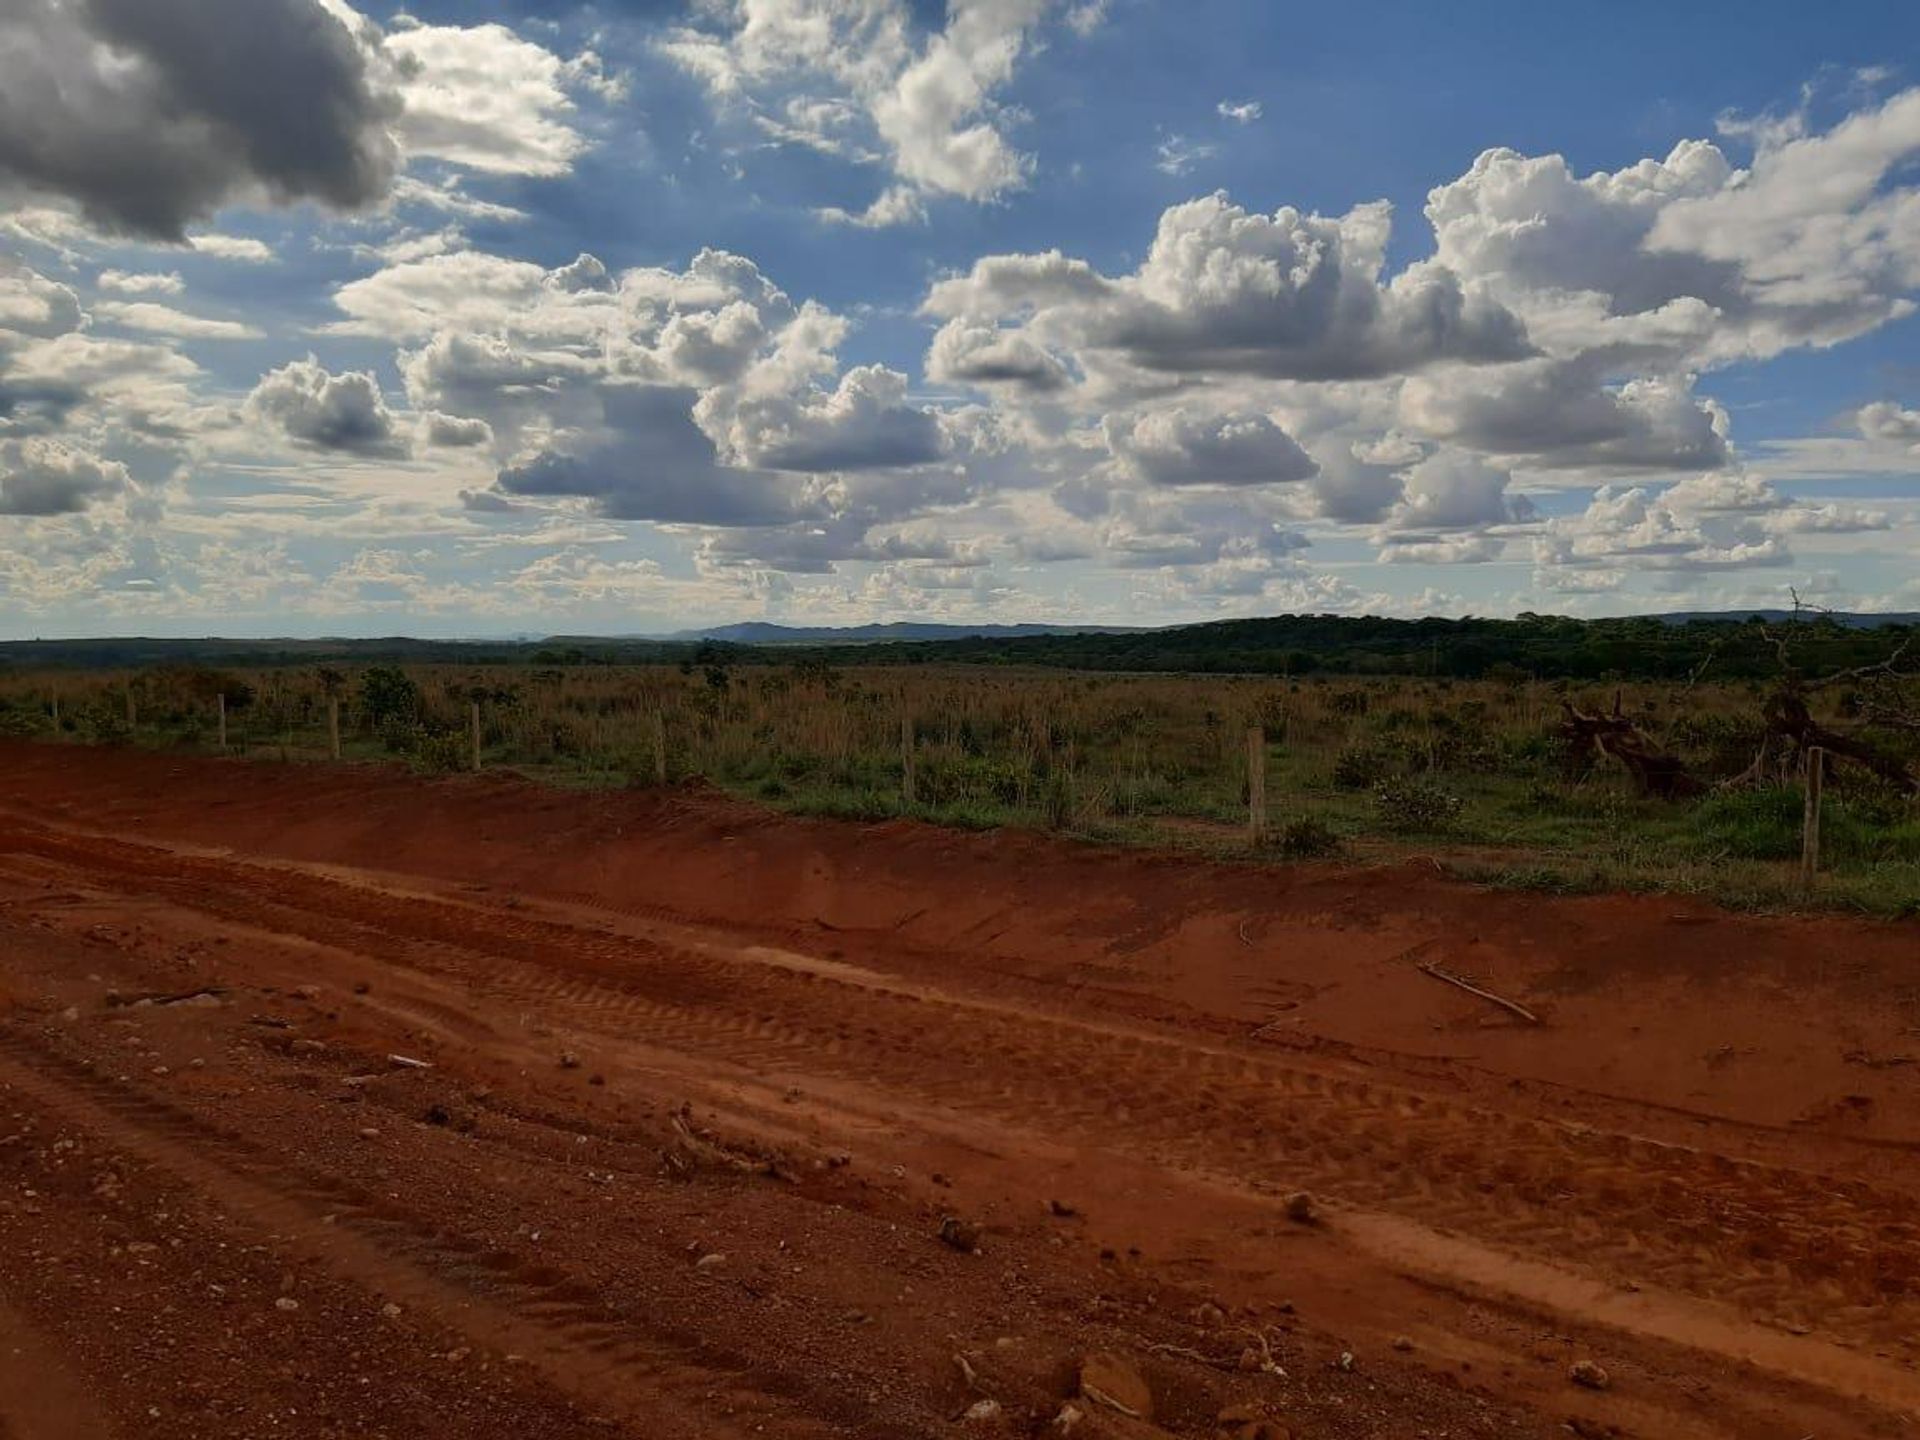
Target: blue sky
x=520, y=317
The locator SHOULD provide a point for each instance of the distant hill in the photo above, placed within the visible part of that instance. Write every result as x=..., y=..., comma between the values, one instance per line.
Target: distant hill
x=756, y=632
x=1727, y=646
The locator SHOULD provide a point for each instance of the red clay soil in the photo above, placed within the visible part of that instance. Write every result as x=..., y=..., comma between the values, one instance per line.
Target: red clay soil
x=335, y=1102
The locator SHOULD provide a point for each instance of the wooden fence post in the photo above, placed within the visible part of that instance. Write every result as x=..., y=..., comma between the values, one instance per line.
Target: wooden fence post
x=333, y=726
x=906, y=760
x=660, y=747
x=1810, y=830
x=476, y=735
x=221, y=699
x=1257, y=784
x=133, y=712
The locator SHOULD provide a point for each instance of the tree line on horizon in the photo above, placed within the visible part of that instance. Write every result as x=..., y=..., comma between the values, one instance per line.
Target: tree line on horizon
x=1529, y=646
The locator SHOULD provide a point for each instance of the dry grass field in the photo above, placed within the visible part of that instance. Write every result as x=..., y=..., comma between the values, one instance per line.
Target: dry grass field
x=1475, y=774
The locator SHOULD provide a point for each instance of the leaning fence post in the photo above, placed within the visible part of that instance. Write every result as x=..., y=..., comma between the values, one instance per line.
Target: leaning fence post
x=660, y=747
x=221, y=700
x=476, y=735
x=1810, y=829
x=1257, y=783
x=333, y=726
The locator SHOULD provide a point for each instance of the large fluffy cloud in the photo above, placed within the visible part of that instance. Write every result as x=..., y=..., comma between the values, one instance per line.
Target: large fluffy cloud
x=1559, y=414
x=1690, y=259
x=863, y=423
x=490, y=100
x=698, y=397
x=647, y=460
x=1173, y=447
x=852, y=77
x=42, y=477
x=31, y=304
x=320, y=411
x=1887, y=423
x=1227, y=291
x=152, y=113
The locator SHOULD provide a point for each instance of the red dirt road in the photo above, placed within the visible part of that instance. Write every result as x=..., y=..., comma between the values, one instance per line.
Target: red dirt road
x=701, y=1084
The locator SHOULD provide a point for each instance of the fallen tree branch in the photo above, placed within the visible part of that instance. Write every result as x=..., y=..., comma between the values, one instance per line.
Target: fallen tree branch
x=1654, y=770
x=1512, y=1007
x=1184, y=1352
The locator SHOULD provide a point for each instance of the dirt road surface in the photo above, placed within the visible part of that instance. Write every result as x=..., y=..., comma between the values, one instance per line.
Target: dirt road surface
x=339, y=1103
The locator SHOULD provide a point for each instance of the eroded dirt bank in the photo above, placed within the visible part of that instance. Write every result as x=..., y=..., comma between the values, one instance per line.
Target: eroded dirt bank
x=698, y=1087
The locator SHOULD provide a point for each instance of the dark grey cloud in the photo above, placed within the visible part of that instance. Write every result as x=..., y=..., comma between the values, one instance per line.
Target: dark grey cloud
x=1563, y=414
x=651, y=462
x=43, y=478
x=456, y=432
x=1173, y=447
x=323, y=411
x=150, y=114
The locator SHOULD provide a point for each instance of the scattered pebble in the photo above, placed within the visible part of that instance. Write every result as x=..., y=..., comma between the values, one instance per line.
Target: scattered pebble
x=960, y=1235
x=1107, y=1379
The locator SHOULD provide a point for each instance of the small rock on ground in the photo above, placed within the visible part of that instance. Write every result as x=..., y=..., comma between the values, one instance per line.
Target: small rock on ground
x=1589, y=1374
x=1107, y=1379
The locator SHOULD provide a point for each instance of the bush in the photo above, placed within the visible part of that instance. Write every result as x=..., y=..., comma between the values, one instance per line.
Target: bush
x=1416, y=806
x=1361, y=767
x=943, y=780
x=440, y=752
x=431, y=752
x=1306, y=839
x=103, y=724
x=388, y=693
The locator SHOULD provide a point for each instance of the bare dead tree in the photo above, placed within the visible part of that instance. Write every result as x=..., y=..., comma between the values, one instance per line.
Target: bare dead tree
x=1655, y=771
x=1787, y=713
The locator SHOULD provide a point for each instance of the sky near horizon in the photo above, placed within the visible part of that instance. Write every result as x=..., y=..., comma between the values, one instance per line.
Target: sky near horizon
x=530, y=316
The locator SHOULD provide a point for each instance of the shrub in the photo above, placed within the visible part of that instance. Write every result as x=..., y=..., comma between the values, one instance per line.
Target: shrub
x=1413, y=805
x=440, y=752
x=388, y=693
x=1307, y=838
x=948, y=780
x=1361, y=767
x=104, y=724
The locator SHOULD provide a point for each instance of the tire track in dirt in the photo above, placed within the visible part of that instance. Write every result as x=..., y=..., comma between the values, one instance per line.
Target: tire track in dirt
x=1777, y=1243
x=603, y=1356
